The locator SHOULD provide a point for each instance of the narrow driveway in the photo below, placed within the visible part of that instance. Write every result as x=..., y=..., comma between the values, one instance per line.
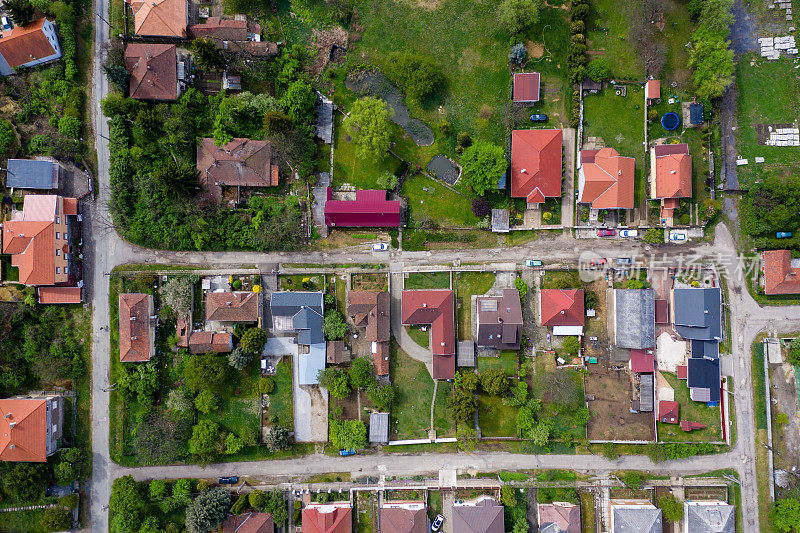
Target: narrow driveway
x=405, y=341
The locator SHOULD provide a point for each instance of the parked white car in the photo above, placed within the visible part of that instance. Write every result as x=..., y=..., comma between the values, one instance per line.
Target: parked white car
x=677, y=236
x=380, y=247
x=629, y=233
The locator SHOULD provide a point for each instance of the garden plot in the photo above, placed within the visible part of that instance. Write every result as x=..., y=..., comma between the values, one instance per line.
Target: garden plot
x=612, y=418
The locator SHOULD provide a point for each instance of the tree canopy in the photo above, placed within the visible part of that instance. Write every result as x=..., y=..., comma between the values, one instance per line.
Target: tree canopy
x=334, y=326
x=360, y=372
x=516, y=15
x=772, y=205
x=368, y=123
x=335, y=381
x=418, y=75
x=207, y=511
x=253, y=340
x=205, y=438
x=785, y=515
x=348, y=434
x=483, y=164
x=205, y=371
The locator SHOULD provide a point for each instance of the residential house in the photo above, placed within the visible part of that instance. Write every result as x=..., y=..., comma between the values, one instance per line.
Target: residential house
x=703, y=380
x=369, y=310
x=37, y=238
x=237, y=35
x=332, y=517
x=526, y=87
x=60, y=295
x=251, y=522
x=499, y=320
x=238, y=307
x=708, y=517
x=482, y=515
x=670, y=177
x=379, y=428
x=160, y=18
x=669, y=412
x=31, y=427
x=434, y=308
x=696, y=313
x=240, y=163
x=370, y=209
x=634, y=318
x=137, y=327
x=536, y=159
x=29, y=46
x=302, y=313
x=41, y=173
x=210, y=342
x=635, y=516
x=559, y=517
x=153, y=70
x=337, y=352
x=781, y=272
x=404, y=517
x=605, y=179
x=563, y=310
x=652, y=91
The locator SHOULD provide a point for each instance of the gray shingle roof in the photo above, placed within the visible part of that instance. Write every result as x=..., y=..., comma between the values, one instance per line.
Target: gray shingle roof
x=635, y=325
x=709, y=517
x=308, y=324
x=639, y=519
x=30, y=174
x=288, y=303
x=379, y=428
x=697, y=313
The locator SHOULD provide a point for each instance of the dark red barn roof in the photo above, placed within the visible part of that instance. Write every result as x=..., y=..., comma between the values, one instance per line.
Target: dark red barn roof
x=369, y=209
x=643, y=361
x=683, y=372
x=526, y=87
x=434, y=307
x=669, y=412
x=662, y=312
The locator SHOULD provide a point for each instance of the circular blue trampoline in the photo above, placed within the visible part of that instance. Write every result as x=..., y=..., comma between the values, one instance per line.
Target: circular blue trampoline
x=670, y=121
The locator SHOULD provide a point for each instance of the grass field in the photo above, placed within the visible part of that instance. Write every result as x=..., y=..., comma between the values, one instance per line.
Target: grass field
x=423, y=338
x=768, y=92
x=428, y=199
x=467, y=284
x=495, y=418
x=281, y=402
x=607, y=33
x=427, y=280
x=570, y=277
x=693, y=411
x=411, y=408
x=360, y=172
x=239, y=411
x=619, y=121
x=508, y=362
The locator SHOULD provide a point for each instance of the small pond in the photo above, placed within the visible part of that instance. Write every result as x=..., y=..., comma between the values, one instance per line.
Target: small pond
x=444, y=169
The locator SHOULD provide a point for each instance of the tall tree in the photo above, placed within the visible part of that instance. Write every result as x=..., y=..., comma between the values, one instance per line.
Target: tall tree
x=207, y=55
x=207, y=511
x=516, y=15
x=368, y=122
x=483, y=165
x=21, y=11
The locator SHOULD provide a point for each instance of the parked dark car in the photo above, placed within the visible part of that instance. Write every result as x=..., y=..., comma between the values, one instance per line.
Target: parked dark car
x=539, y=118
x=229, y=480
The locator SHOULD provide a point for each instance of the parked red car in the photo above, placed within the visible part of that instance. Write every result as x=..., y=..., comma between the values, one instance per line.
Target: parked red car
x=605, y=233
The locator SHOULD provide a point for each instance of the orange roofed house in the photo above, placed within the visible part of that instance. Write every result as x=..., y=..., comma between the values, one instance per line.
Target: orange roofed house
x=153, y=71
x=370, y=310
x=652, y=91
x=670, y=177
x=333, y=517
x=605, y=179
x=28, y=46
x=536, y=164
x=37, y=238
x=781, y=273
x=136, y=327
x=160, y=18
x=562, y=309
x=239, y=163
x=30, y=428
x=434, y=308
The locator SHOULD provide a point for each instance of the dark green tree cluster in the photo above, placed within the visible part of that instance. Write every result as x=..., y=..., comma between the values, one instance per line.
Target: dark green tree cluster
x=710, y=57
x=770, y=206
x=417, y=74
x=347, y=434
x=576, y=53
x=483, y=164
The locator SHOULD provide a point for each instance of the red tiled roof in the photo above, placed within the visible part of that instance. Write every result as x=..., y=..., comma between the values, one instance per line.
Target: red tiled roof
x=60, y=295
x=682, y=371
x=653, y=89
x=134, y=327
x=249, y=523
x=154, y=71
x=70, y=206
x=526, y=87
x=566, y=516
x=220, y=28
x=369, y=209
x=643, y=361
x=24, y=44
x=673, y=170
x=403, y=520
x=232, y=306
x=183, y=328
x=688, y=426
x=536, y=164
x=662, y=312
x=210, y=341
x=334, y=520
x=26, y=440
x=608, y=179
x=239, y=163
x=779, y=276
x=161, y=18
x=434, y=307
x=562, y=307
x=669, y=412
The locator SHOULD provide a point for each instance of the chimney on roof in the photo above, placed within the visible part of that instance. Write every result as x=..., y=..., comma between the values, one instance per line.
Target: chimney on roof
x=619, y=172
x=12, y=424
x=424, y=304
x=500, y=319
x=673, y=171
x=442, y=343
x=563, y=312
x=7, y=415
x=508, y=309
x=133, y=338
x=11, y=447
x=524, y=170
x=133, y=319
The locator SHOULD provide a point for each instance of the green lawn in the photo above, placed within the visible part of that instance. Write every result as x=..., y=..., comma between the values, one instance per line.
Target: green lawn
x=442, y=421
x=768, y=93
x=23, y=522
x=294, y=282
x=411, y=408
x=423, y=338
x=678, y=26
x=239, y=402
x=467, y=284
x=620, y=122
x=553, y=278
x=693, y=411
x=281, y=402
x=507, y=362
x=495, y=418
x=428, y=200
x=360, y=172
x=608, y=34
x=427, y=280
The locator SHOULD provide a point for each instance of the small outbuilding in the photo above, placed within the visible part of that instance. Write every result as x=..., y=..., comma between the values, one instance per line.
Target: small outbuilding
x=379, y=428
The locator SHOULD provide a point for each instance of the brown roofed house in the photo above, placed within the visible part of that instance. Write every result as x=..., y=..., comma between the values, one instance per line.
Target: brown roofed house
x=153, y=71
x=160, y=18
x=136, y=330
x=30, y=428
x=249, y=523
x=526, y=87
x=559, y=517
x=28, y=46
x=536, y=164
x=605, y=179
x=370, y=310
x=239, y=163
x=499, y=320
x=210, y=341
x=561, y=307
x=333, y=517
x=435, y=308
x=670, y=177
x=404, y=517
x=234, y=35
x=337, y=353
x=781, y=273
x=233, y=307
x=37, y=238
x=481, y=516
